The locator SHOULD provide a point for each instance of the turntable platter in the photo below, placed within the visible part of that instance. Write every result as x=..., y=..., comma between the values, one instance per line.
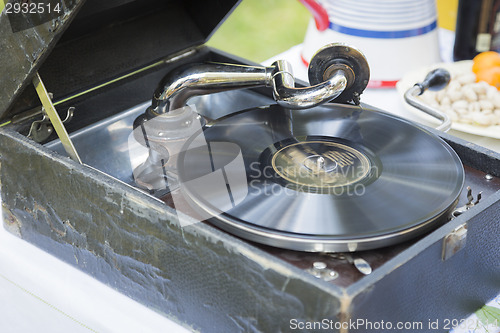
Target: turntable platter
x=327, y=179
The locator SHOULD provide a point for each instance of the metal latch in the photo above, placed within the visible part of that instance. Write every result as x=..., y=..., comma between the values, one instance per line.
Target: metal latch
x=40, y=130
x=470, y=203
x=54, y=118
x=454, y=241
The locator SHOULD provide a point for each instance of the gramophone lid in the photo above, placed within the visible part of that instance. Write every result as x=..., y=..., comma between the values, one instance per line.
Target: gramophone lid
x=85, y=43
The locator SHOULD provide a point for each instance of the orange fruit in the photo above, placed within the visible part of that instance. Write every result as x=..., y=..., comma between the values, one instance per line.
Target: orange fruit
x=490, y=76
x=485, y=60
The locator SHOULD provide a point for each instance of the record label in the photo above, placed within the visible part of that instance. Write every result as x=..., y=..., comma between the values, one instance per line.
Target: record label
x=320, y=165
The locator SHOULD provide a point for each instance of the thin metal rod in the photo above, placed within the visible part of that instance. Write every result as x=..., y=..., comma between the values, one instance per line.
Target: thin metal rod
x=55, y=119
x=34, y=112
x=411, y=98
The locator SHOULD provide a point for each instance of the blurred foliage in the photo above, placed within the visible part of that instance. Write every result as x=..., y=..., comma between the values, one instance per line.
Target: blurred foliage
x=489, y=316
x=260, y=29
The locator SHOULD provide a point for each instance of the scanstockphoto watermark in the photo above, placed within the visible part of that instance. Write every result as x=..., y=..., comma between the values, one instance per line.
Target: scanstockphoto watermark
x=269, y=187
x=358, y=324
x=279, y=180
x=171, y=154
x=365, y=325
x=299, y=171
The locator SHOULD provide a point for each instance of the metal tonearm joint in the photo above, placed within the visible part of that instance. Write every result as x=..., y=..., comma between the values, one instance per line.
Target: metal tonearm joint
x=337, y=71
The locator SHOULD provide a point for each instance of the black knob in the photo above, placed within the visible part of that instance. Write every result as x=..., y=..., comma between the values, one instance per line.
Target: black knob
x=437, y=79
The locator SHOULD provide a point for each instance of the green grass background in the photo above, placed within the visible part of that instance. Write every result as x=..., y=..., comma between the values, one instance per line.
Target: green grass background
x=259, y=29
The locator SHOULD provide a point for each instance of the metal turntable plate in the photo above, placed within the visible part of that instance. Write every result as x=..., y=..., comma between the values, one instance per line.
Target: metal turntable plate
x=331, y=178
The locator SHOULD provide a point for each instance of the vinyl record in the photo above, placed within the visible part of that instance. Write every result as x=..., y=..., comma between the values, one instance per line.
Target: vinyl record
x=327, y=179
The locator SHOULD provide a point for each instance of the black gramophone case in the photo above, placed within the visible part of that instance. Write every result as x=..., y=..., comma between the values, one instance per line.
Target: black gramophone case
x=104, y=57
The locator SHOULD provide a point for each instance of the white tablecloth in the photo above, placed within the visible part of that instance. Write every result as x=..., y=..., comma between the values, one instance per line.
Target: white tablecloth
x=40, y=293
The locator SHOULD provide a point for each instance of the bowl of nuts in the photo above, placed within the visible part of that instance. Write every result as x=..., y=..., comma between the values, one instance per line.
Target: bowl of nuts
x=472, y=103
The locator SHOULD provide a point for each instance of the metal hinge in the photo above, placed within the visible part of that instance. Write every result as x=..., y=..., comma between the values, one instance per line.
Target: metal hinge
x=40, y=130
x=470, y=203
x=454, y=241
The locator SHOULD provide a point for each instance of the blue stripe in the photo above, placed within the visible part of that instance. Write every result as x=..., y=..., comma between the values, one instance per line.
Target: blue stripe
x=383, y=34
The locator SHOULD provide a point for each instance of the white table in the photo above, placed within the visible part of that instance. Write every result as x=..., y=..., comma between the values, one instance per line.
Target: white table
x=40, y=293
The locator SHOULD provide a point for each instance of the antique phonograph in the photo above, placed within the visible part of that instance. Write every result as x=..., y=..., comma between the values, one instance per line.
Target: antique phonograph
x=222, y=193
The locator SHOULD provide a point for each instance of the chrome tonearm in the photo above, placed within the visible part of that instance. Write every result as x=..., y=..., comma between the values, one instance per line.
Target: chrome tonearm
x=337, y=71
